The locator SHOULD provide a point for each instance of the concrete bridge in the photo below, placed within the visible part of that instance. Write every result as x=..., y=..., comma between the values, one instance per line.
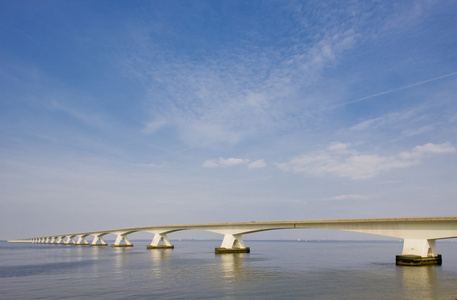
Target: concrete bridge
x=419, y=234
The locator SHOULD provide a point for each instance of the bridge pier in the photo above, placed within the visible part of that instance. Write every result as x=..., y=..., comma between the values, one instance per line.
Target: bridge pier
x=69, y=240
x=82, y=240
x=98, y=238
x=416, y=260
x=165, y=242
x=122, y=237
x=232, y=243
x=419, y=252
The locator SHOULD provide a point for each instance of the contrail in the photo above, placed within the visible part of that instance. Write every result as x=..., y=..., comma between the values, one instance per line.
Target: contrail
x=401, y=88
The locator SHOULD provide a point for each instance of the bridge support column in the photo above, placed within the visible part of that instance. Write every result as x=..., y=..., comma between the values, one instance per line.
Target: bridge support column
x=97, y=239
x=165, y=242
x=82, y=240
x=418, y=252
x=69, y=240
x=119, y=239
x=232, y=243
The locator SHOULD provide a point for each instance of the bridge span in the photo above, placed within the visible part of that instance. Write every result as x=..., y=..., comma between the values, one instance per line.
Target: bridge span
x=419, y=234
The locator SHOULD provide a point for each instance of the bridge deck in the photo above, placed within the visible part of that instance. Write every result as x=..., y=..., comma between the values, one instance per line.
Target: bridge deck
x=276, y=224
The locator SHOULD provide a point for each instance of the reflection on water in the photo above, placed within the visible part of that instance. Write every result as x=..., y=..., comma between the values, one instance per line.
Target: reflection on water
x=241, y=267
x=121, y=259
x=95, y=253
x=192, y=271
x=232, y=265
x=418, y=282
x=159, y=255
x=159, y=261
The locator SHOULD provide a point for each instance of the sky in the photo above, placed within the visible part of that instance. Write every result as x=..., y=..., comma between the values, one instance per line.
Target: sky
x=116, y=114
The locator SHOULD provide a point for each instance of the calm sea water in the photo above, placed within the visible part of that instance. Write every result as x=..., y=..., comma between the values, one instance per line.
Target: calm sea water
x=273, y=270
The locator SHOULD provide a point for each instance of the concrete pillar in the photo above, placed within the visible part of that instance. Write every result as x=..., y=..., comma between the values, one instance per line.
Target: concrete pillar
x=82, y=240
x=232, y=243
x=158, y=237
x=122, y=237
x=98, y=240
x=418, y=252
x=69, y=240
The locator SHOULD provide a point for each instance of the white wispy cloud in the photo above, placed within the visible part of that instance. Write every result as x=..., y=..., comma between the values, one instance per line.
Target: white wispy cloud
x=154, y=125
x=153, y=165
x=225, y=162
x=230, y=162
x=434, y=114
x=341, y=161
x=387, y=120
x=258, y=164
x=420, y=151
x=231, y=96
x=349, y=197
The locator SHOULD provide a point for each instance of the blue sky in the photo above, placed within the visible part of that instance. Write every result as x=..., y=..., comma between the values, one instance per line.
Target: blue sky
x=133, y=113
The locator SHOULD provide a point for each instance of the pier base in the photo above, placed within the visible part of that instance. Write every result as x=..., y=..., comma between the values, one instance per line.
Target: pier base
x=98, y=245
x=416, y=260
x=232, y=250
x=160, y=247
x=121, y=245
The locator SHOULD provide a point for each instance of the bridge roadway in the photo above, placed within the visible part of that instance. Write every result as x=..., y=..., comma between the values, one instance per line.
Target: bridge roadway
x=419, y=234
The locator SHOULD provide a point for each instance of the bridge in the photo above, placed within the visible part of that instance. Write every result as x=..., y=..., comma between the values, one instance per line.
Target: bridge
x=419, y=234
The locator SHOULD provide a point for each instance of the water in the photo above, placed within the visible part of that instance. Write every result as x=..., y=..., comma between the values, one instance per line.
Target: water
x=274, y=269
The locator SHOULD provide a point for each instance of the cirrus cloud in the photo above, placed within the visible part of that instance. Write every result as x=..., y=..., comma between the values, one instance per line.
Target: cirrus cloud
x=341, y=161
x=224, y=162
x=230, y=162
